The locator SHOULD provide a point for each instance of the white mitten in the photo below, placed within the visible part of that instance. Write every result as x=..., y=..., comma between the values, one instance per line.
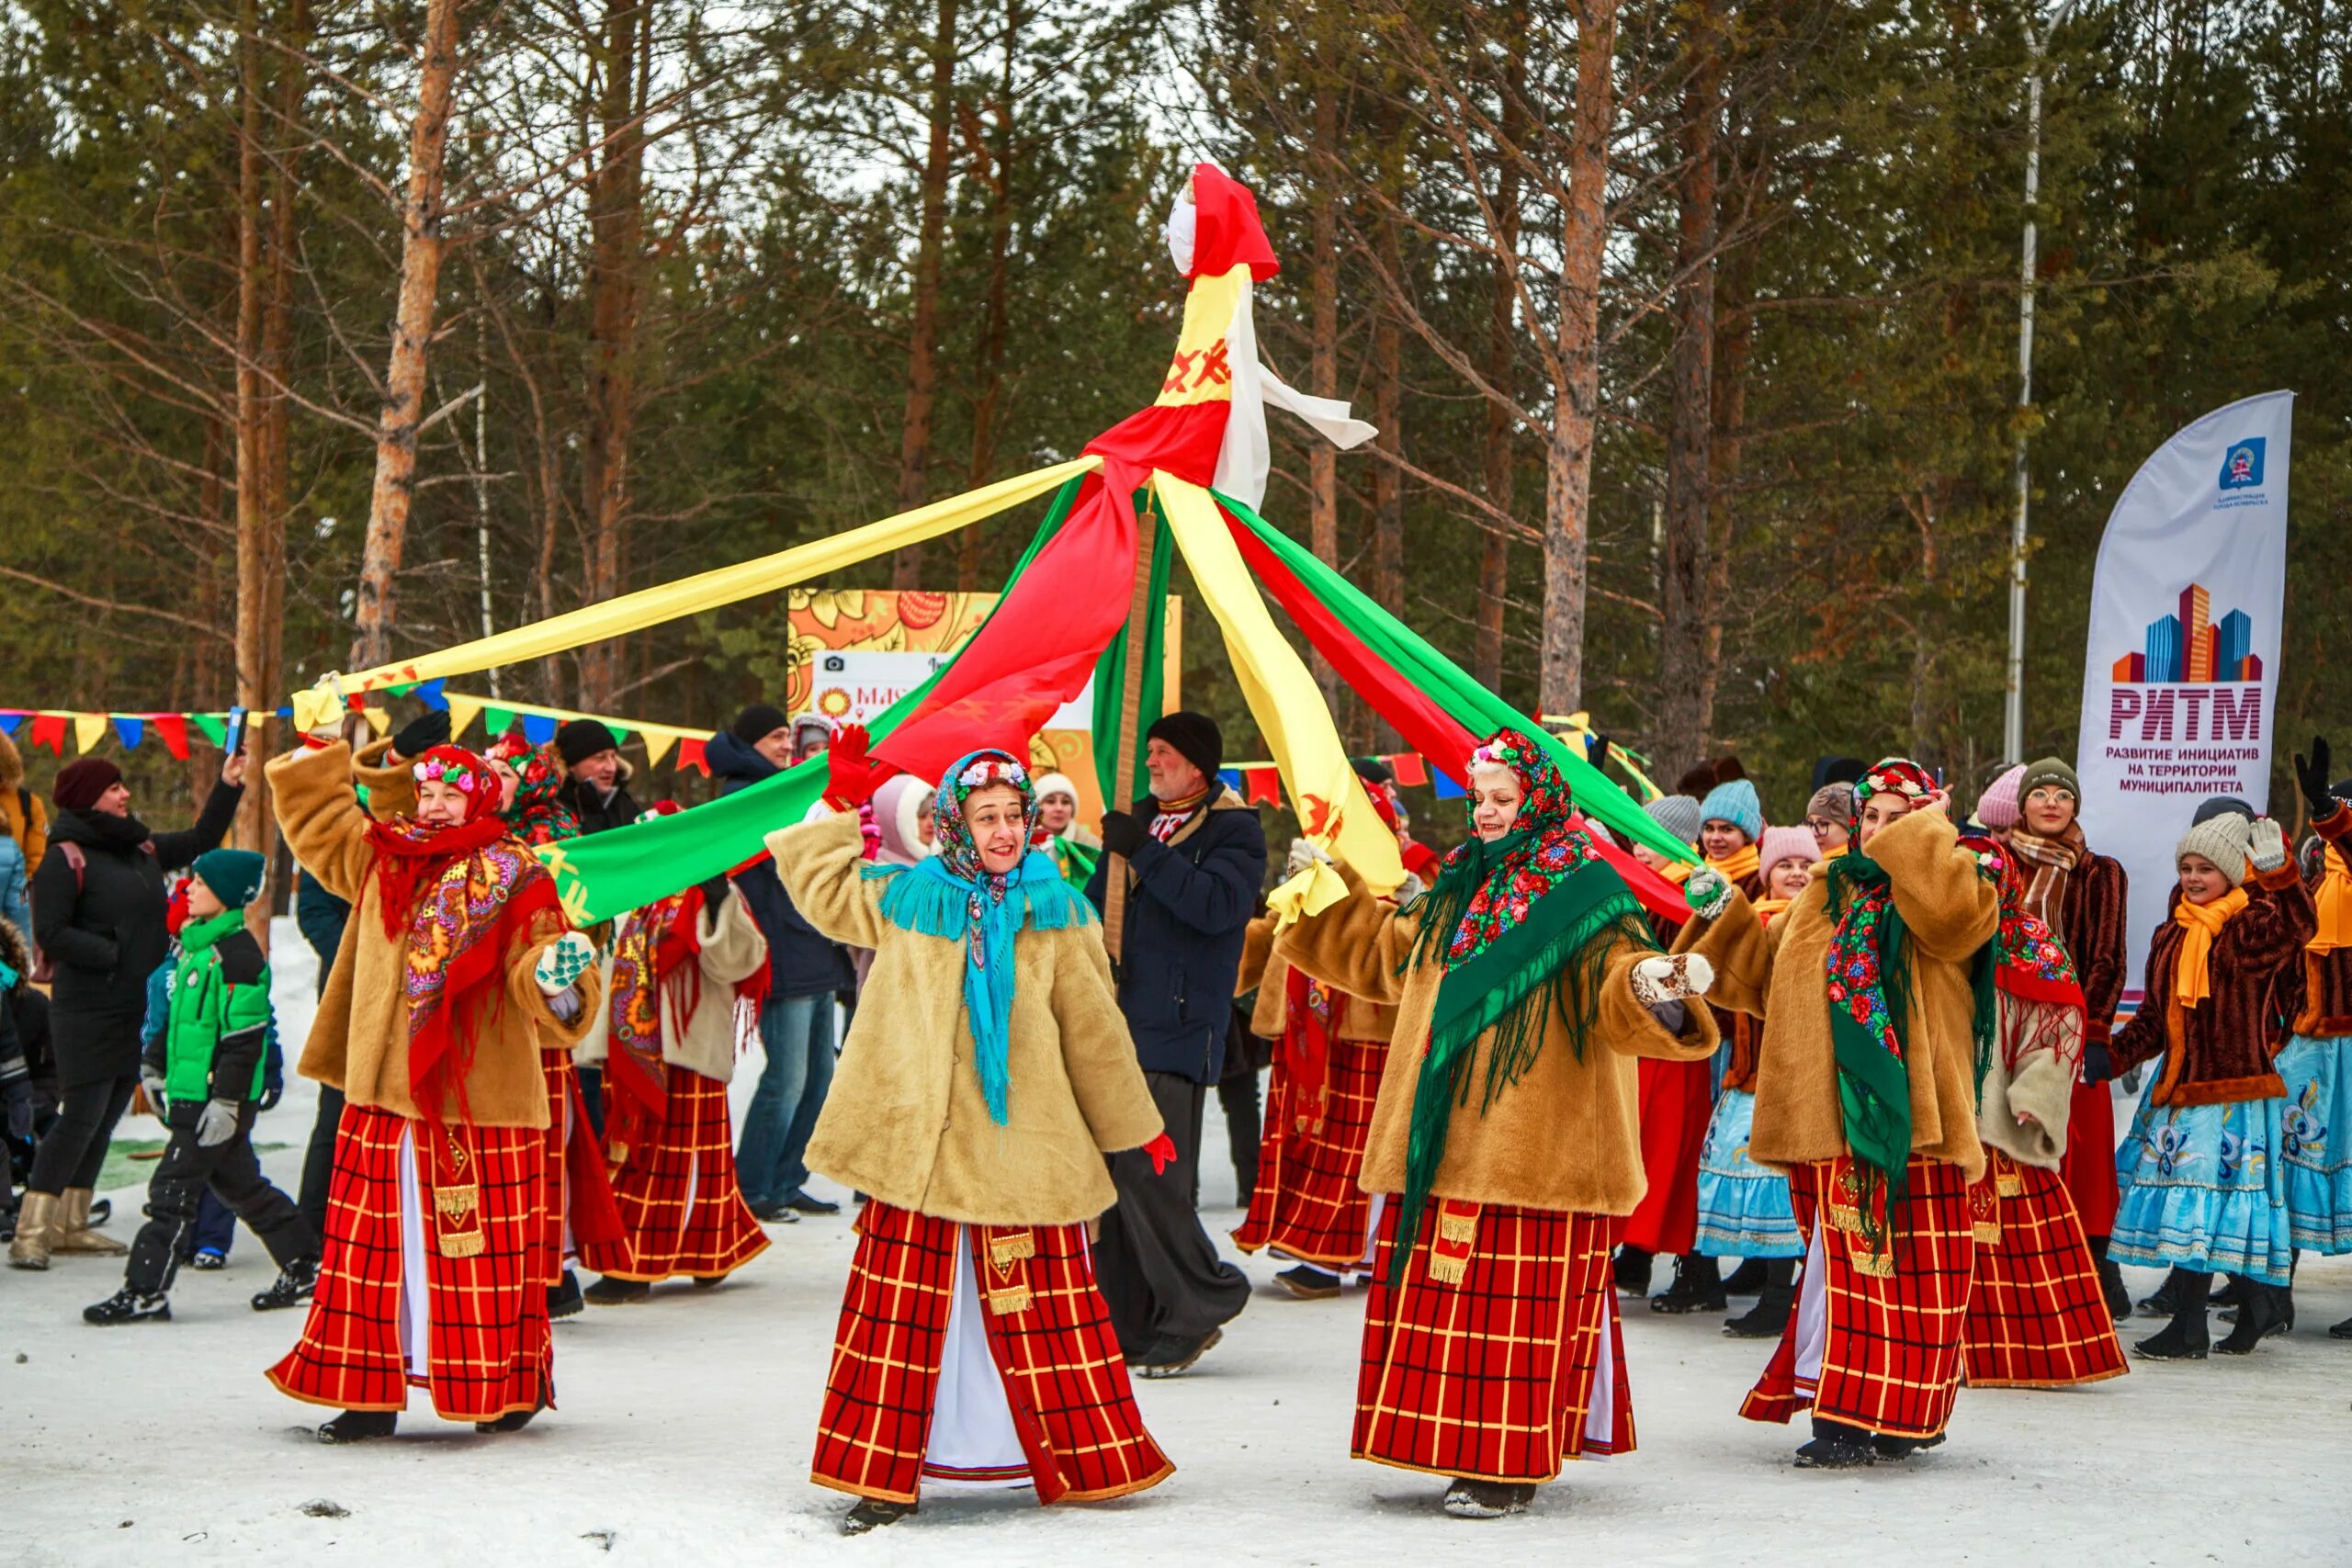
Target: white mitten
x=2268, y=849
x=1303, y=853
x=565, y=960
x=1707, y=893
x=1681, y=977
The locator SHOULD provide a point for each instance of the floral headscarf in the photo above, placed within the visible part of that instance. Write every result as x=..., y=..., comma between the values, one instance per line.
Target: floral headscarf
x=1500, y=884
x=536, y=814
x=1900, y=774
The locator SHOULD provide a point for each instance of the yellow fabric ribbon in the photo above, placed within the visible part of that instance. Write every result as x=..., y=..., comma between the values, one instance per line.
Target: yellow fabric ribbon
x=2200, y=924
x=2332, y=898
x=1737, y=866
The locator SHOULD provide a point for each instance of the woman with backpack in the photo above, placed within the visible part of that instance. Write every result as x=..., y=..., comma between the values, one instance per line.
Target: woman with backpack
x=99, y=916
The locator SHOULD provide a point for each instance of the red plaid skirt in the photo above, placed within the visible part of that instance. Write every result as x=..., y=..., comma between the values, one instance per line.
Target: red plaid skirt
x=677, y=1194
x=579, y=1194
x=1047, y=1328
x=488, y=1351
x=1675, y=1107
x=1307, y=1204
x=2036, y=1316
x=2089, y=1165
x=1890, y=1343
x=1494, y=1378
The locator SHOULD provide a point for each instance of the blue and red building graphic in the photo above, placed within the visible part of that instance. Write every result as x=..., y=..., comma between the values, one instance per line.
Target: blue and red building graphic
x=2192, y=648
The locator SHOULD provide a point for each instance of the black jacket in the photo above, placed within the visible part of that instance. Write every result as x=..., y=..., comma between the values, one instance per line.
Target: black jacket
x=107, y=935
x=596, y=815
x=800, y=961
x=1188, y=911
x=320, y=916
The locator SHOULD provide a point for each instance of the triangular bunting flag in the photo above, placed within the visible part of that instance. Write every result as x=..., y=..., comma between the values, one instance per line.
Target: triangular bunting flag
x=379, y=719
x=495, y=720
x=429, y=693
x=539, y=728
x=172, y=729
x=1447, y=789
x=48, y=730
x=130, y=731
x=659, y=738
x=621, y=732
x=8, y=722
x=1410, y=769
x=461, y=716
x=214, y=727
x=89, y=728
x=690, y=754
x=1262, y=786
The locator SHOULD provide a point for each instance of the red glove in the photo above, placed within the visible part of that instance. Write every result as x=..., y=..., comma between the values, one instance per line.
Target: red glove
x=1163, y=1150
x=852, y=776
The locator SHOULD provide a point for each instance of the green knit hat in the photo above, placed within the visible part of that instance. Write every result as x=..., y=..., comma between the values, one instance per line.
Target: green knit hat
x=234, y=875
x=2049, y=770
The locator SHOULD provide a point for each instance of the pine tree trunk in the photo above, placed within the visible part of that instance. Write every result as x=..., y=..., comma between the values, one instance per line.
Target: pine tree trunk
x=1388, y=484
x=990, y=393
x=1499, y=467
x=1567, y=476
x=421, y=248
x=1727, y=452
x=617, y=257
x=922, y=342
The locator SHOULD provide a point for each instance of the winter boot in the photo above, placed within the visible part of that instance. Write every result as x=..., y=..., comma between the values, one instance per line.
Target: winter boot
x=2112, y=1286
x=2185, y=1337
x=295, y=1284
x=1633, y=1272
x=1309, y=1283
x=1174, y=1358
x=1837, y=1446
x=1698, y=1286
x=1748, y=1279
x=2341, y=1330
x=513, y=1421
x=128, y=1306
x=2166, y=1301
x=74, y=1232
x=609, y=1291
x=1467, y=1499
x=872, y=1513
x=2258, y=1316
x=1775, y=1299
x=565, y=1300
x=359, y=1426
x=36, y=1228
x=2226, y=1296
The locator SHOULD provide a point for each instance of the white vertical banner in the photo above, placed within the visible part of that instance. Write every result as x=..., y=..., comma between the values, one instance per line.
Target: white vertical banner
x=2182, y=669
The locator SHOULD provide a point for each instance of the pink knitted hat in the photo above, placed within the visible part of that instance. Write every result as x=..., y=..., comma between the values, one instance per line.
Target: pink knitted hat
x=1784, y=844
x=1997, y=806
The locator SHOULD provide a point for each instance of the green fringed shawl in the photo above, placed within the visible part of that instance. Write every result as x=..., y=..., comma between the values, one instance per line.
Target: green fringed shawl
x=1869, y=1005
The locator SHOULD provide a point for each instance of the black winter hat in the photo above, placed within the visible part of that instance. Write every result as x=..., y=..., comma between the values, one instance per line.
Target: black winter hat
x=2221, y=806
x=583, y=738
x=1373, y=770
x=756, y=723
x=1195, y=737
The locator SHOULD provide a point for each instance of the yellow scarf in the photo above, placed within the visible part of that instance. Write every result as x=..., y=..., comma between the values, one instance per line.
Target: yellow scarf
x=1675, y=871
x=1737, y=866
x=1766, y=907
x=2334, y=900
x=2200, y=924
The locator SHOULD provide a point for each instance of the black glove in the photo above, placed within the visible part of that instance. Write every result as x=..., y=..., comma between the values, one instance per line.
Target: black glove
x=20, y=1109
x=1595, y=750
x=714, y=892
x=2098, y=1066
x=271, y=1093
x=1123, y=833
x=420, y=734
x=2311, y=773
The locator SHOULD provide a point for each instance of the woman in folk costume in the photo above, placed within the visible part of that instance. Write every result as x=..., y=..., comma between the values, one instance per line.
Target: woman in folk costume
x=2082, y=899
x=1677, y=1098
x=1678, y=814
x=1525, y=985
x=1074, y=850
x=2315, y=1068
x=1744, y=1209
x=456, y=974
x=1309, y=1204
x=2037, y=1317
x=688, y=975
x=987, y=1074
x=530, y=784
x=2204, y=1189
x=1866, y=1097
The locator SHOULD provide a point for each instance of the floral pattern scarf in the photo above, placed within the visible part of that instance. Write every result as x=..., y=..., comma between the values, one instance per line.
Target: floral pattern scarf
x=537, y=815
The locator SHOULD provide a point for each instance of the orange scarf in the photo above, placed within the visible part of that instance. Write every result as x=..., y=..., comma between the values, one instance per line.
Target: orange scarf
x=1677, y=872
x=2200, y=924
x=1766, y=907
x=2332, y=897
x=1737, y=866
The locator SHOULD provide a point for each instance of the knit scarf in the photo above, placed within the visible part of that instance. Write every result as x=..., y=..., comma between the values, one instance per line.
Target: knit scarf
x=1737, y=866
x=952, y=895
x=1870, y=1000
x=1173, y=814
x=2333, y=900
x=654, y=952
x=1522, y=928
x=1767, y=909
x=2046, y=862
x=2200, y=924
x=2028, y=996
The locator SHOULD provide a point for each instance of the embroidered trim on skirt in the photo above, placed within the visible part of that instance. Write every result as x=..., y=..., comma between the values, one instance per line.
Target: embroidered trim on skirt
x=678, y=1197
x=2203, y=1190
x=1875, y=1338
x=481, y=1346
x=2037, y=1317
x=1742, y=1207
x=1511, y=1369
x=1064, y=1378
x=1307, y=1204
x=2315, y=1141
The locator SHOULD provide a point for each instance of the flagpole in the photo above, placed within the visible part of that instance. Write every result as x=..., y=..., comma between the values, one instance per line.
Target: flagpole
x=1123, y=766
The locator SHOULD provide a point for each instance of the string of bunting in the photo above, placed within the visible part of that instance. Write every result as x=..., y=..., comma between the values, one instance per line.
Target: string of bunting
x=1258, y=781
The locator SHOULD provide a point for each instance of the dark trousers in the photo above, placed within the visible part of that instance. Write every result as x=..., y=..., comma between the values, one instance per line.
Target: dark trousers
x=230, y=1169
x=1158, y=1271
x=318, y=1160
x=74, y=1148
x=215, y=1227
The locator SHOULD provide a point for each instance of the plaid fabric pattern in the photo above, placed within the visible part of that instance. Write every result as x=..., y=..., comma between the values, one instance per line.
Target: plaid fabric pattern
x=490, y=1352
x=2036, y=1316
x=713, y=1232
x=1891, y=1363
x=1064, y=1378
x=1307, y=1204
x=1492, y=1379
x=567, y=1120
x=1676, y=1102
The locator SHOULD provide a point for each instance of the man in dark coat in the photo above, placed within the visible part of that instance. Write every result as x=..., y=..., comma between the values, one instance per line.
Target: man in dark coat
x=805, y=971
x=1194, y=856
x=595, y=784
x=99, y=914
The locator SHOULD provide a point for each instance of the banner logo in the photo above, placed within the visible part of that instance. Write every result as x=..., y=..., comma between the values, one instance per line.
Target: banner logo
x=2188, y=648
x=2242, y=468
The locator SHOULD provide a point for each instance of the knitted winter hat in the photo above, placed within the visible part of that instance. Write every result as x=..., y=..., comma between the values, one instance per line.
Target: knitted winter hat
x=1055, y=784
x=812, y=722
x=82, y=781
x=1677, y=813
x=1997, y=806
x=1835, y=801
x=756, y=723
x=1784, y=843
x=2223, y=838
x=2048, y=774
x=234, y=875
x=1373, y=770
x=1194, y=735
x=1735, y=801
x=2223, y=805
x=583, y=738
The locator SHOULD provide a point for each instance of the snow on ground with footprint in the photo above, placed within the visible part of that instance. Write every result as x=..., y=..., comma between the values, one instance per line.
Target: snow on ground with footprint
x=685, y=1425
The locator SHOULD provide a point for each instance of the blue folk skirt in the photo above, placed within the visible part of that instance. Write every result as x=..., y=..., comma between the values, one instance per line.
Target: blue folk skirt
x=2202, y=1187
x=1743, y=1208
x=2315, y=1141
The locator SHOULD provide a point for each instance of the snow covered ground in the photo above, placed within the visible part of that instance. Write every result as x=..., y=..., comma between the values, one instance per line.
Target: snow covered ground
x=685, y=1424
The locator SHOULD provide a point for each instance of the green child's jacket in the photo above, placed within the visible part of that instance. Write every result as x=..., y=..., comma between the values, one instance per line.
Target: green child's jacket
x=212, y=1045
